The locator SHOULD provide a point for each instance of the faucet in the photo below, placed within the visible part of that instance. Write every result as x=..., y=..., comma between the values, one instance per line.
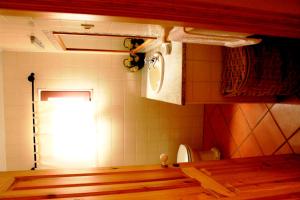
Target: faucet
x=151, y=61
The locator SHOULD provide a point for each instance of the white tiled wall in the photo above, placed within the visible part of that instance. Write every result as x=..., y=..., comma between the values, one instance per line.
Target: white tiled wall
x=2, y=128
x=134, y=130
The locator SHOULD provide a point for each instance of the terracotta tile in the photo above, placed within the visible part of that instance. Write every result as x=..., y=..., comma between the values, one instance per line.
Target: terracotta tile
x=239, y=127
x=250, y=147
x=236, y=154
x=228, y=110
x=253, y=112
x=287, y=116
x=208, y=142
x=268, y=135
x=295, y=142
x=209, y=108
x=205, y=122
x=285, y=149
x=209, y=139
x=205, y=116
x=225, y=141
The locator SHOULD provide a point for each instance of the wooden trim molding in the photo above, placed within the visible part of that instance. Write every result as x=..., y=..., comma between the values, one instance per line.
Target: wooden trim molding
x=267, y=177
x=60, y=41
x=269, y=17
x=104, y=35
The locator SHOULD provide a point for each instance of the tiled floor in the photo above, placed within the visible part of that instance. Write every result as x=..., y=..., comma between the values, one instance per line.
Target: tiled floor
x=244, y=130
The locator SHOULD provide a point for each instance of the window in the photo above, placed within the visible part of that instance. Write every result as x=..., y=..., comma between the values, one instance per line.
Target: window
x=46, y=95
x=66, y=130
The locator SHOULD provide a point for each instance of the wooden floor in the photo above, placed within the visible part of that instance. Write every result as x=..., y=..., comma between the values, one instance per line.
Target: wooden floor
x=265, y=178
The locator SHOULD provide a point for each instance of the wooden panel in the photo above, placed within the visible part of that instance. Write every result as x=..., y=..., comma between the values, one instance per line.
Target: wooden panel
x=170, y=194
x=103, y=190
x=281, y=18
x=67, y=40
x=101, y=179
x=207, y=182
x=5, y=183
x=265, y=178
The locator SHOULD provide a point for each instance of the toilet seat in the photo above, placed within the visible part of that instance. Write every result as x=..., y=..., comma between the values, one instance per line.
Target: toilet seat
x=184, y=154
x=187, y=154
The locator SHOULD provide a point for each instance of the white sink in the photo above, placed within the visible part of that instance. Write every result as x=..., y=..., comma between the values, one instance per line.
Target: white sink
x=163, y=80
x=156, y=71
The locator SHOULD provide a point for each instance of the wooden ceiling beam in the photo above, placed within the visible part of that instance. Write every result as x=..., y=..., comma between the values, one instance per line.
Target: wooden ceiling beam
x=277, y=18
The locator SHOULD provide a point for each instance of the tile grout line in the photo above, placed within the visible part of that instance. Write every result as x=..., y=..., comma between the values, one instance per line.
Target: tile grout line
x=270, y=106
x=237, y=146
x=285, y=138
x=292, y=135
x=259, y=146
x=258, y=122
x=252, y=129
x=213, y=131
x=280, y=146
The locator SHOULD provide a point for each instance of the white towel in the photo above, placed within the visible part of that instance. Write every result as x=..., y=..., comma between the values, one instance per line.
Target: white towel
x=219, y=38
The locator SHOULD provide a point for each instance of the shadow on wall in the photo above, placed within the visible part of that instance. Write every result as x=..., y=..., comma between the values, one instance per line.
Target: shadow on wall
x=246, y=130
x=216, y=131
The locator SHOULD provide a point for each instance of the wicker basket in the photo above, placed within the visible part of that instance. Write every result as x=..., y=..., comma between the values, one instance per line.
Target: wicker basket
x=271, y=68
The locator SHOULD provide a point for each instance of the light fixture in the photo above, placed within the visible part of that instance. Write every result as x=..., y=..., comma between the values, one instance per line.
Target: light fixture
x=35, y=41
x=87, y=26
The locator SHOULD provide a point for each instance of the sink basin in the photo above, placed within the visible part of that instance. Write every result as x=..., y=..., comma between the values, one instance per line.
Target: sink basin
x=156, y=71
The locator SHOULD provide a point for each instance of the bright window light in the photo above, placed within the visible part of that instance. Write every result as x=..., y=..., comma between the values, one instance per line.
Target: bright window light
x=67, y=137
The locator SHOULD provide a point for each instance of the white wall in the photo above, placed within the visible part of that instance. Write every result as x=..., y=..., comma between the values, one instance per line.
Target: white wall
x=136, y=130
x=2, y=128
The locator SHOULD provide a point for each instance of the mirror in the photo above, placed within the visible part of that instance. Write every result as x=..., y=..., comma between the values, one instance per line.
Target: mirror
x=73, y=41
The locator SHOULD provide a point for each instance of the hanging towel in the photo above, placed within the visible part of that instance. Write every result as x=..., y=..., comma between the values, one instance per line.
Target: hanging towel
x=220, y=38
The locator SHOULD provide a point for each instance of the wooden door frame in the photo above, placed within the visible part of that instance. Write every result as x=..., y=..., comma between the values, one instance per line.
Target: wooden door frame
x=277, y=18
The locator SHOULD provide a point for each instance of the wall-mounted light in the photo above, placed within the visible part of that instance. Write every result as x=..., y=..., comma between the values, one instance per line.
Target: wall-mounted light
x=87, y=26
x=35, y=41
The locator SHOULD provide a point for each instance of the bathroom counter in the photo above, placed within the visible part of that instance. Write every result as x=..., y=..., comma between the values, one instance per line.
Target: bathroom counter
x=193, y=76
x=172, y=87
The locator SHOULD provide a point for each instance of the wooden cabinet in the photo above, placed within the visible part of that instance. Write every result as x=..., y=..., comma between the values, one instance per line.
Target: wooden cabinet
x=202, y=71
x=272, y=177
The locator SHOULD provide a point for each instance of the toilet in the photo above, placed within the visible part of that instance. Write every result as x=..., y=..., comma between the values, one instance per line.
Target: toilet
x=187, y=154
